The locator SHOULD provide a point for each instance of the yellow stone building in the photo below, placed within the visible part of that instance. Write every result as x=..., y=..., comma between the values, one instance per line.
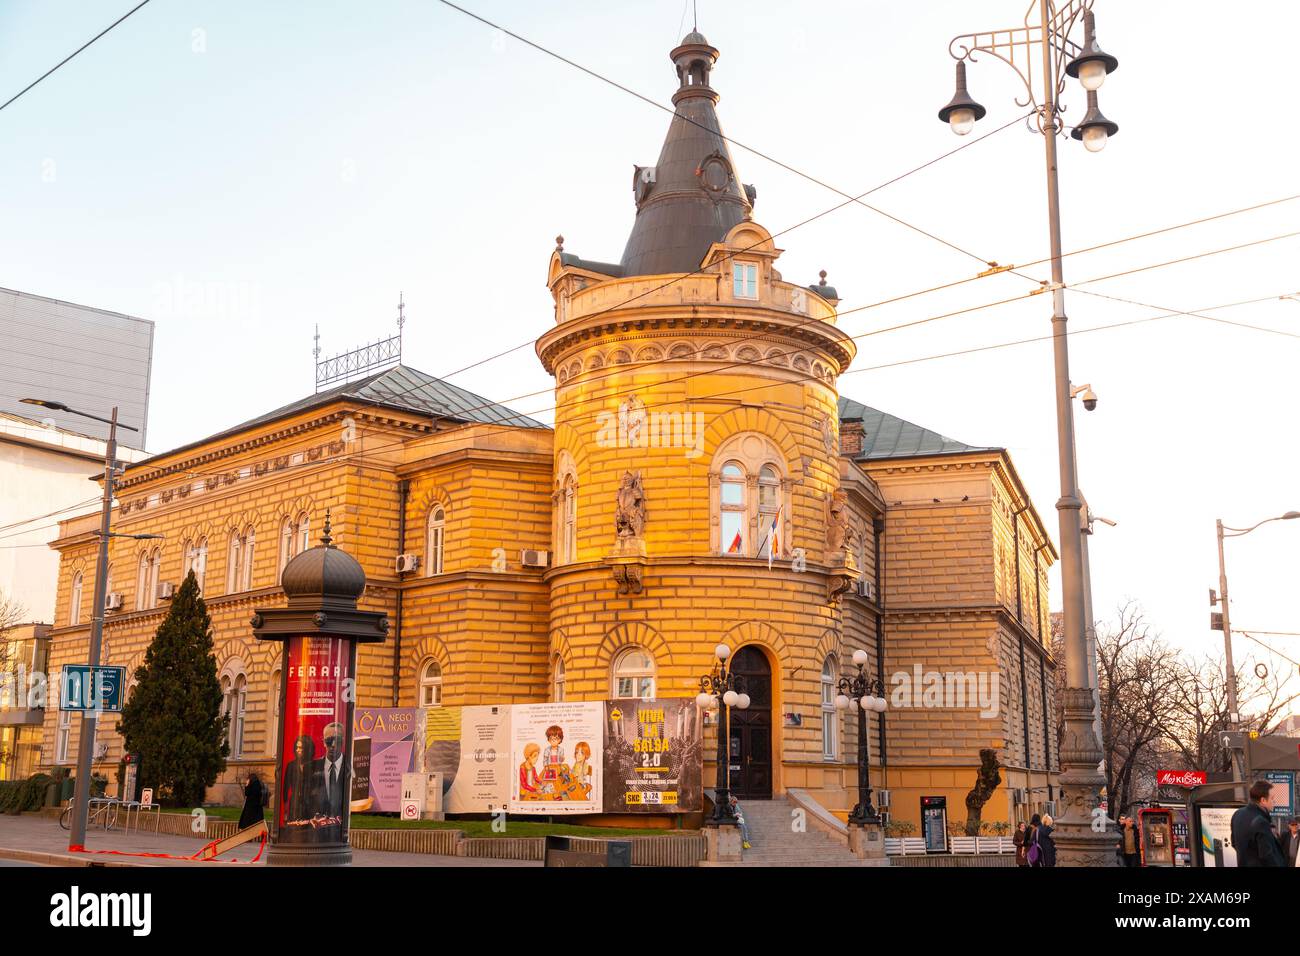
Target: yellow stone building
x=703, y=483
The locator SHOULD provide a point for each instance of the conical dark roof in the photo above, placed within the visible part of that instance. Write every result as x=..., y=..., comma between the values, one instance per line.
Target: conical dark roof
x=692, y=197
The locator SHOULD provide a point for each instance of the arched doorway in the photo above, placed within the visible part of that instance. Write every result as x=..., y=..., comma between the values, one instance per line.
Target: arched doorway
x=751, y=729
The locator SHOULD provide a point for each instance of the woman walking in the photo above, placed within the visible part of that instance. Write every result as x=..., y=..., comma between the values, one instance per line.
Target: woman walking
x=253, y=799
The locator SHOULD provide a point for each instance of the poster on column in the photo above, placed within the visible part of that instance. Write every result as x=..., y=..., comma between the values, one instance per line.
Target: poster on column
x=470, y=746
x=315, y=776
x=654, y=756
x=386, y=743
x=557, y=752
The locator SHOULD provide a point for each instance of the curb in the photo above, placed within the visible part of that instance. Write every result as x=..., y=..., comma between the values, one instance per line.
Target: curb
x=59, y=859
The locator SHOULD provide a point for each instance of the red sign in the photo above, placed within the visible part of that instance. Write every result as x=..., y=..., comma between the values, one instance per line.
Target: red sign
x=1180, y=778
x=315, y=773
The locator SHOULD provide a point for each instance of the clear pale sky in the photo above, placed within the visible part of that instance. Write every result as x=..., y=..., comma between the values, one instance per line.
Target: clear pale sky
x=298, y=164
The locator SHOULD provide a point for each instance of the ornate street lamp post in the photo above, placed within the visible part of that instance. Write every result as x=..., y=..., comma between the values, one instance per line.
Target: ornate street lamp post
x=722, y=686
x=863, y=694
x=1041, y=49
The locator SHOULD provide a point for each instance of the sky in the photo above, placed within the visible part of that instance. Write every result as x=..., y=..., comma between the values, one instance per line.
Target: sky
x=243, y=173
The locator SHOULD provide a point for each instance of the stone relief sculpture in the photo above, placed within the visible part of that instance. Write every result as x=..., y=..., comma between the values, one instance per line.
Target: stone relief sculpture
x=630, y=512
x=837, y=522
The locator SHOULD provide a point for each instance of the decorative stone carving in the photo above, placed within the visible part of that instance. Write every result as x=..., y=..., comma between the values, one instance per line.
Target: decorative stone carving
x=628, y=577
x=837, y=522
x=630, y=510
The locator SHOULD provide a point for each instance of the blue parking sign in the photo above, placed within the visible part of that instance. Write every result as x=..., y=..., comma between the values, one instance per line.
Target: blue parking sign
x=84, y=688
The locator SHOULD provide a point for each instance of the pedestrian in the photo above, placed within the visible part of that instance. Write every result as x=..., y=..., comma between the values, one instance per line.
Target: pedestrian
x=1291, y=841
x=1022, y=845
x=1033, y=852
x=739, y=814
x=1252, y=830
x=1129, y=844
x=1045, y=841
x=253, y=800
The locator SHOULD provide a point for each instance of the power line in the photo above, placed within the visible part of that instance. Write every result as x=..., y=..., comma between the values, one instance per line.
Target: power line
x=71, y=55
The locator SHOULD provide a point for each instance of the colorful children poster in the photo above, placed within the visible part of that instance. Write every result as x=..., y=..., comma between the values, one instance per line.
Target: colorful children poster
x=557, y=752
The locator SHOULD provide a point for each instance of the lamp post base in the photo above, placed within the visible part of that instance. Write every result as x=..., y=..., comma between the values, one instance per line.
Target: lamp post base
x=866, y=840
x=1084, y=834
x=335, y=855
x=723, y=844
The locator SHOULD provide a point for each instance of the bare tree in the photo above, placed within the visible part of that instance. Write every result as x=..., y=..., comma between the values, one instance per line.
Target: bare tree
x=1200, y=713
x=11, y=614
x=1138, y=675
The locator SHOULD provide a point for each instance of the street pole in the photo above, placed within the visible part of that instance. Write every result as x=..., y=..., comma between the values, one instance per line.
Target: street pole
x=1234, y=718
x=85, y=746
x=1077, y=842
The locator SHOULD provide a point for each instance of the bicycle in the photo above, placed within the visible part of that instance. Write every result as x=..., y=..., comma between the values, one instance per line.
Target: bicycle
x=103, y=812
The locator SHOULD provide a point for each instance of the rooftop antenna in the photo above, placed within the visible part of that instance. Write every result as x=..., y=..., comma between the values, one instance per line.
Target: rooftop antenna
x=695, y=15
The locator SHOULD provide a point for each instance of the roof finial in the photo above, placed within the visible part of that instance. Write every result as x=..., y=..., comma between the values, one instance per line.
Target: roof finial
x=823, y=275
x=559, y=243
x=401, y=311
x=325, y=538
x=695, y=15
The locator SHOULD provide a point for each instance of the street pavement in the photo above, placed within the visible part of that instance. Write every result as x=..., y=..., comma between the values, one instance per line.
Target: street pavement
x=27, y=838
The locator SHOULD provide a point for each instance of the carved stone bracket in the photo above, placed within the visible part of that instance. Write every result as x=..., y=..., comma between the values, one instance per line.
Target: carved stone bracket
x=839, y=577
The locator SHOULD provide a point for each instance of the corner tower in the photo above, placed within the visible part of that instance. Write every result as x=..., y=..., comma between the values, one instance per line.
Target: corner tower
x=697, y=476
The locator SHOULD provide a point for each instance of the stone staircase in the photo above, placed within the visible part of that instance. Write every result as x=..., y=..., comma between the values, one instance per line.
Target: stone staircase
x=776, y=844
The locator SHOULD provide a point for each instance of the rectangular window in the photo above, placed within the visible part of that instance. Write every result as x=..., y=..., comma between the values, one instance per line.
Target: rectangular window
x=62, y=735
x=828, y=734
x=744, y=280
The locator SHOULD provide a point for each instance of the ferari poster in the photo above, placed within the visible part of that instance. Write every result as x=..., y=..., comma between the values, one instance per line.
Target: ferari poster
x=314, y=778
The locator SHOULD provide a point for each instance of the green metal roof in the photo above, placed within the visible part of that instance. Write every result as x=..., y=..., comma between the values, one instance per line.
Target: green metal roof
x=888, y=436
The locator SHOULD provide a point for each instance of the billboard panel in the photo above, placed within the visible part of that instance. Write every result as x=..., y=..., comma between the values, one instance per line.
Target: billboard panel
x=653, y=756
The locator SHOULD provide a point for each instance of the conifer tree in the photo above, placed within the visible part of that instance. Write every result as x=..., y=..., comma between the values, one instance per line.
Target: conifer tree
x=173, y=719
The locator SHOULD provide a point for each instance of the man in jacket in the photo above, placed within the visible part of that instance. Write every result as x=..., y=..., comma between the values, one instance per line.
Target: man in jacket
x=1252, y=830
x=1291, y=841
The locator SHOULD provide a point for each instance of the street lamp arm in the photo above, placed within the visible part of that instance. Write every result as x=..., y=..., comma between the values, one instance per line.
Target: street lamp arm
x=1238, y=532
x=60, y=407
x=1017, y=47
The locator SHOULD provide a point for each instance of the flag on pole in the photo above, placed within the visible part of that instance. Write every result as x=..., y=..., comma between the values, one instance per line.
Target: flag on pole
x=774, y=538
x=734, y=547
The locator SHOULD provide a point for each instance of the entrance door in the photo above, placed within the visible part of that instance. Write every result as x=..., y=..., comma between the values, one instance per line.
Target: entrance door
x=751, y=729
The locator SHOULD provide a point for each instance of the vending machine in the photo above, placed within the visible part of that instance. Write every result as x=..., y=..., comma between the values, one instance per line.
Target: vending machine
x=1156, y=836
x=934, y=824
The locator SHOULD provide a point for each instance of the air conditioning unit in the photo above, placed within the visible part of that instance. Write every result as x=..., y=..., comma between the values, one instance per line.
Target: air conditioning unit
x=407, y=563
x=1019, y=796
x=1049, y=808
x=534, y=559
x=113, y=601
x=867, y=589
x=101, y=749
x=882, y=799
x=166, y=591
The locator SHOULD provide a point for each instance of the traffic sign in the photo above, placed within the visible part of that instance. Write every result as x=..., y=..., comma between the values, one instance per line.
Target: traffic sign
x=83, y=687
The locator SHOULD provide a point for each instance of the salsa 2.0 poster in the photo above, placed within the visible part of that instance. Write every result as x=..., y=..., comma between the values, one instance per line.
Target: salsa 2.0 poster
x=653, y=756
x=315, y=779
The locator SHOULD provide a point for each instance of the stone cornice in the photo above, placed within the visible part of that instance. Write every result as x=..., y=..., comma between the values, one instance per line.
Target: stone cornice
x=532, y=461
x=723, y=321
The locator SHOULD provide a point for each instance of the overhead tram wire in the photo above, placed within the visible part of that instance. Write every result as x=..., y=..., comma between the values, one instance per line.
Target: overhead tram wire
x=72, y=55
x=1023, y=297
x=732, y=393
x=839, y=313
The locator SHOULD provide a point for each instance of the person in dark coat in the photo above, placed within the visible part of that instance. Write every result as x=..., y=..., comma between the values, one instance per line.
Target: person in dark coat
x=301, y=794
x=1291, y=841
x=1031, y=841
x=1022, y=845
x=1252, y=830
x=1046, y=845
x=1129, y=845
x=253, y=800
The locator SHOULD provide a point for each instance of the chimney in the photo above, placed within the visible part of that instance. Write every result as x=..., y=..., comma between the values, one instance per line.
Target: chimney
x=851, y=437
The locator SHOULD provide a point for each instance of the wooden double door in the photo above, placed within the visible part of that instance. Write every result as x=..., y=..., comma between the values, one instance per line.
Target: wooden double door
x=750, y=745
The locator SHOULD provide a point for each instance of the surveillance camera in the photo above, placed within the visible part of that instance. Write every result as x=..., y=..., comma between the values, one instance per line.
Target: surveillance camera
x=1105, y=521
x=1089, y=400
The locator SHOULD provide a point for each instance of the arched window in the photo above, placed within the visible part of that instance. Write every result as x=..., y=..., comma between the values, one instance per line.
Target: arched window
x=830, y=725
x=155, y=575
x=286, y=542
x=196, y=560
x=733, y=508
x=568, y=520
x=275, y=711
x=769, y=505
x=431, y=684
x=633, y=674
x=234, y=564
x=74, y=609
x=142, y=583
x=234, y=696
x=557, y=678
x=304, y=533
x=434, y=540
x=750, y=510
x=250, y=541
